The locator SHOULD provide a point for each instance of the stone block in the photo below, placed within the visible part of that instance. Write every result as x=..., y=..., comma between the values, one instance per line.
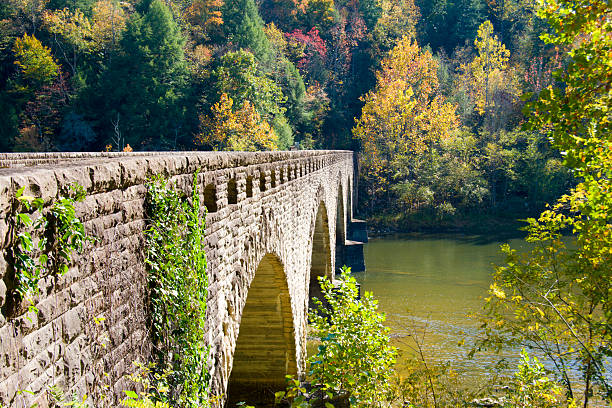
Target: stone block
x=72, y=323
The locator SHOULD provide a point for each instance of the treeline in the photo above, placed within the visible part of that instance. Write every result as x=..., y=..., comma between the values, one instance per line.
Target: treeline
x=189, y=74
x=442, y=133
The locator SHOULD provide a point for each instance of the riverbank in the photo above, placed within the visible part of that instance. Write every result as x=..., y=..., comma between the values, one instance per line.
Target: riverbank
x=506, y=226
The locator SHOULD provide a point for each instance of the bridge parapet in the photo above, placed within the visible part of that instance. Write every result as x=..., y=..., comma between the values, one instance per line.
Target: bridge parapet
x=284, y=205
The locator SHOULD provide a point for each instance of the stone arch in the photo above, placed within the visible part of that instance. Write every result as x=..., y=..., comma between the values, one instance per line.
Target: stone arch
x=265, y=349
x=320, y=258
x=340, y=227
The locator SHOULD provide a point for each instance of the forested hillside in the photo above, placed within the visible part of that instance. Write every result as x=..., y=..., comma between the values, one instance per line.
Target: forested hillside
x=439, y=83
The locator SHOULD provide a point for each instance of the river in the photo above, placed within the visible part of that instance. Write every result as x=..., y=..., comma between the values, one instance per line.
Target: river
x=430, y=286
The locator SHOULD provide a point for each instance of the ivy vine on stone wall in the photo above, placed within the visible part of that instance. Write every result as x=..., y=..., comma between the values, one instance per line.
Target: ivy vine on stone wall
x=178, y=289
x=43, y=241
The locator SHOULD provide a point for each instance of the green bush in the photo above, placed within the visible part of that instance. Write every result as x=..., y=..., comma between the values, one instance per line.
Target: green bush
x=354, y=355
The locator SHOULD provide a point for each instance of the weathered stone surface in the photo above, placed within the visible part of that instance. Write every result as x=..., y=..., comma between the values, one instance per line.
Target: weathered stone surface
x=266, y=243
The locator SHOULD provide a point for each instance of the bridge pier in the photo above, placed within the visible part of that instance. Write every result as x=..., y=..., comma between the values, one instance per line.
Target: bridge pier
x=352, y=249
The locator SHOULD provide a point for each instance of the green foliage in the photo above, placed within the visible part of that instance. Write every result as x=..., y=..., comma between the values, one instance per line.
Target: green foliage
x=44, y=244
x=179, y=286
x=532, y=388
x=245, y=28
x=154, y=389
x=241, y=77
x=354, y=355
x=556, y=297
x=59, y=398
x=143, y=89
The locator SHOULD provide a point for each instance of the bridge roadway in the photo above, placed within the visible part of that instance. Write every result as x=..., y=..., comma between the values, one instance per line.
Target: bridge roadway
x=277, y=221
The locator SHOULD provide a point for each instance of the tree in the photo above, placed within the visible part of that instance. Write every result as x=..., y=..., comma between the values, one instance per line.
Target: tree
x=206, y=13
x=29, y=14
x=372, y=11
x=321, y=14
x=491, y=84
x=72, y=34
x=143, y=88
x=35, y=61
x=403, y=116
x=242, y=129
x=556, y=297
x=398, y=19
x=469, y=15
x=245, y=28
x=108, y=23
x=242, y=78
x=283, y=13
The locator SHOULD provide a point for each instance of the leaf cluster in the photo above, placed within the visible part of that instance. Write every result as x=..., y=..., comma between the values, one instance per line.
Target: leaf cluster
x=45, y=239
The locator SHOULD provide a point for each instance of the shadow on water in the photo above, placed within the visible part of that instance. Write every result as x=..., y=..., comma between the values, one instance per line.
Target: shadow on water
x=473, y=239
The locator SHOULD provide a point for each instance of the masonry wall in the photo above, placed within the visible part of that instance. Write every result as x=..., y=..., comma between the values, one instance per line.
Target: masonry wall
x=92, y=322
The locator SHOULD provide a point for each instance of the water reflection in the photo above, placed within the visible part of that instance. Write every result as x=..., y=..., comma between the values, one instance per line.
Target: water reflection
x=430, y=286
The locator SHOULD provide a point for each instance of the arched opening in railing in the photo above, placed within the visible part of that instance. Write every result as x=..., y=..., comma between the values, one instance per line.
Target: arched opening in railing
x=249, y=186
x=262, y=181
x=232, y=192
x=210, y=198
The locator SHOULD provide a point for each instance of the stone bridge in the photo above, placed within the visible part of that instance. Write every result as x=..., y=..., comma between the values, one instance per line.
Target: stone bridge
x=277, y=221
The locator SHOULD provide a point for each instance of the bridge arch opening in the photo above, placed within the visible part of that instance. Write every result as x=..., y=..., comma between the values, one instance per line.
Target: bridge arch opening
x=320, y=259
x=340, y=229
x=265, y=349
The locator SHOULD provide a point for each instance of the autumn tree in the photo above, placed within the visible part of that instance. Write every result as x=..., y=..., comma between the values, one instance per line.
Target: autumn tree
x=35, y=61
x=231, y=128
x=403, y=116
x=492, y=85
x=321, y=14
x=556, y=298
x=108, y=22
x=72, y=35
x=397, y=20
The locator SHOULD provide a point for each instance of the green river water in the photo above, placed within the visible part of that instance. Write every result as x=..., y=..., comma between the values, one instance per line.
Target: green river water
x=429, y=286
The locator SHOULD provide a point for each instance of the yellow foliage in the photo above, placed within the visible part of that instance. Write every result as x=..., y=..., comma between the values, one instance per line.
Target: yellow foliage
x=403, y=115
x=73, y=26
x=488, y=75
x=35, y=60
x=108, y=23
x=206, y=13
x=242, y=130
